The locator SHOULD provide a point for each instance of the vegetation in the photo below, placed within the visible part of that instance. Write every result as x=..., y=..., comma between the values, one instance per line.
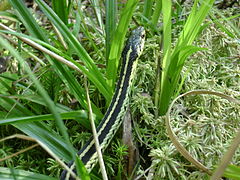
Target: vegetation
x=46, y=53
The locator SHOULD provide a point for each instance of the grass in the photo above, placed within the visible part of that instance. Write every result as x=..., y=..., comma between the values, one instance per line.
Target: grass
x=36, y=96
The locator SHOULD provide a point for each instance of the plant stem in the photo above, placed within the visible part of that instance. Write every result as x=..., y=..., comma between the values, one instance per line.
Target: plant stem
x=111, y=17
x=95, y=135
x=147, y=12
x=156, y=13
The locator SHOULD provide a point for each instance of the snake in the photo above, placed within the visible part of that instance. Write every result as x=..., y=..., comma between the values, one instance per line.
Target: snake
x=117, y=108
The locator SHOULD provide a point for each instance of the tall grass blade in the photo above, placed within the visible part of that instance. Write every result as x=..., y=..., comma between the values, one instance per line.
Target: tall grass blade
x=147, y=10
x=111, y=22
x=167, y=33
x=98, y=79
x=174, y=61
x=118, y=41
x=8, y=173
x=61, y=9
x=28, y=20
x=77, y=115
x=157, y=12
x=97, y=10
x=42, y=92
x=64, y=73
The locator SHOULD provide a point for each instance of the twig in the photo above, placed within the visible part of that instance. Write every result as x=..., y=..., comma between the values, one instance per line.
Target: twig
x=58, y=160
x=226, y=158
x=45, y=50
x=20, y=136
x=19, y=152
x=24, y=49
x=95, y=135
x=183, y=150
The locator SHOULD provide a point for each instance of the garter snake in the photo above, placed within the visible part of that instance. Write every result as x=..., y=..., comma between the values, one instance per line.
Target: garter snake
x=113, y=117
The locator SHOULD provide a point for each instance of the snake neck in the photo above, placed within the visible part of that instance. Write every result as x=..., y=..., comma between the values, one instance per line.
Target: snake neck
x=113, y=117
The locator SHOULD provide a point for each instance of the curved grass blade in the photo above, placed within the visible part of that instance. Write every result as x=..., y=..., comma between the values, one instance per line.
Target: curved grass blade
x=232, y=172
x=9, y=174
x=63, y=72
x=111, y=19
x=44, y=95
x=28, y=20
x=173, y=61
x=96, y=7
x=80, y=116
x=118, y=41
x=60, y=8
x=102, y=86
x=9, y=16
x=43, y=133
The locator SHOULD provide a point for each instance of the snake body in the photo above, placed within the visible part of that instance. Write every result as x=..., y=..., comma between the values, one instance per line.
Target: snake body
x=113, y=117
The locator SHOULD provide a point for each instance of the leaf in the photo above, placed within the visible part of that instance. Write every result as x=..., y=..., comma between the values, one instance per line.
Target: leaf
x=174, y=61
x=64, y=73
x=12, y=174
x=232, y=172
x=118, y=41
x=82, y=171
x=80, y=116
x=97, y=78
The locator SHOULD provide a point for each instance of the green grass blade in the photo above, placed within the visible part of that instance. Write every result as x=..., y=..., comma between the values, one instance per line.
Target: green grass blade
x=41, y=132
x=111, y=19
x=147, y=10
x=82, y=25
x=118, y=41
x=64, y=73
x=9, y=174
x=232, y=172
x=227, y=19
x=97, y=10
x=81, y=52
x=13, y=108
x=60, y=8
x=194, y=21
x=6, y=84
x=9, y=16
x=167, y=31
x=28, y=20
x=218, y=22
x=81, y=116
x=157, y=12
x=82, y=171
x=41, y=91
x=173, y=62
x=78, y=23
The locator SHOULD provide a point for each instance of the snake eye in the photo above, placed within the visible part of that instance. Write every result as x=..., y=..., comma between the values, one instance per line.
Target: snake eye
x=143, y=35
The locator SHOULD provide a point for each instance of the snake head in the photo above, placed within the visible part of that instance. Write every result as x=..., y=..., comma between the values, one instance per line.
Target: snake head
x=135, y=43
